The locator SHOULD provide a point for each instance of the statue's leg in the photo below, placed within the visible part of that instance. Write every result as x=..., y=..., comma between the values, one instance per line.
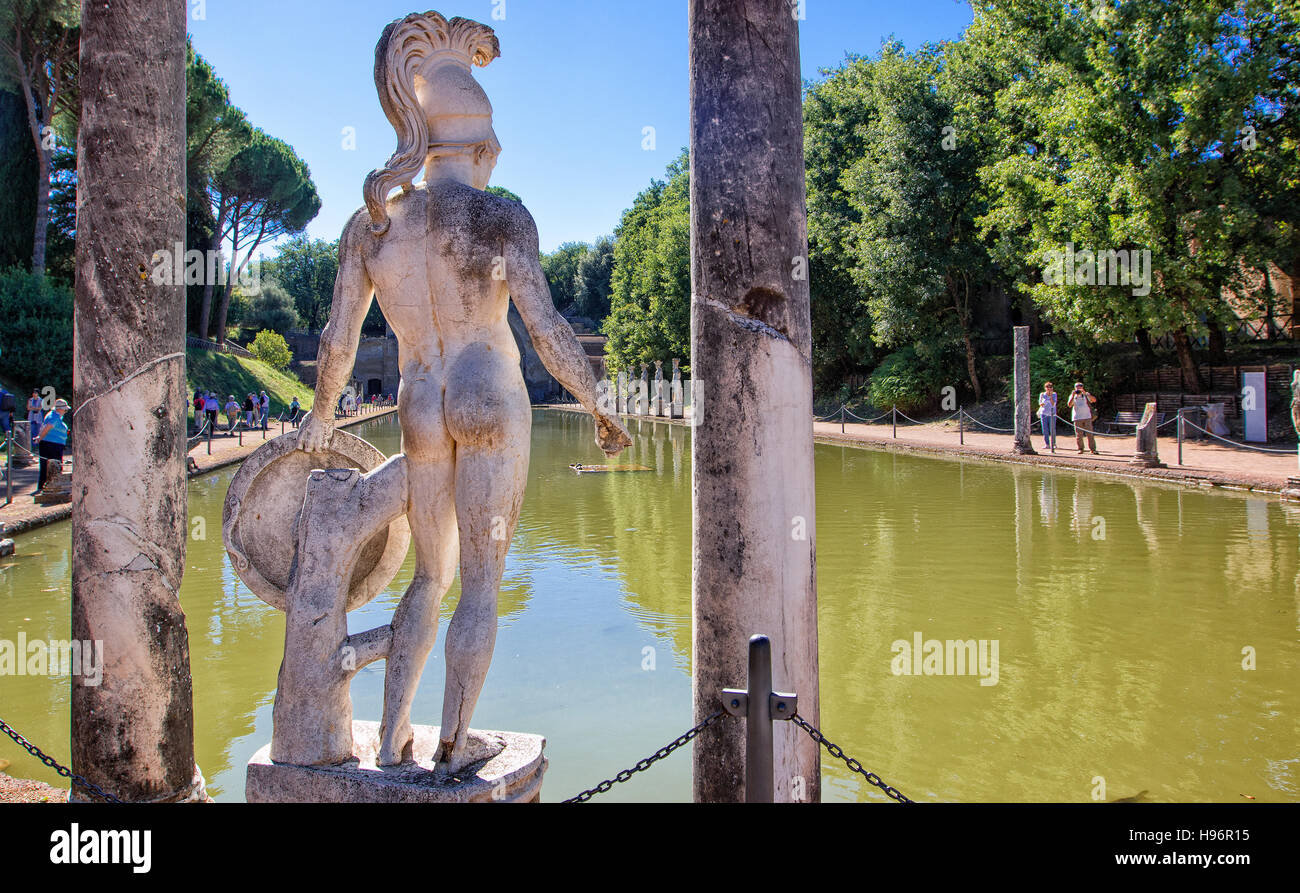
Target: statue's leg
x=432, y=516
x=489, y=415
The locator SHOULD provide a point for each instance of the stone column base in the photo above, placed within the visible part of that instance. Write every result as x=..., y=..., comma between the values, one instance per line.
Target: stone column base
x=1147, y=461
x=512, y=775
x=1292, y=488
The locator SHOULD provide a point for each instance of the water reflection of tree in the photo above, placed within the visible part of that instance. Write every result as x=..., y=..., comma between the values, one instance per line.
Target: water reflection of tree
x=1114, y=650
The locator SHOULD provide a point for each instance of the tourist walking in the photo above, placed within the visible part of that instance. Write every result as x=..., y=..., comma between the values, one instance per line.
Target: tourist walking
x=210, y=406
x=232, y=414
x=266, y=409
x=294, y=409
x=1047, y=415
x=34, y=414
x=54, y=438
x=249, y=410
x=1081, y=403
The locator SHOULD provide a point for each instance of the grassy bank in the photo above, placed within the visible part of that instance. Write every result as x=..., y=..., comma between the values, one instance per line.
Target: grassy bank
x=227, y=374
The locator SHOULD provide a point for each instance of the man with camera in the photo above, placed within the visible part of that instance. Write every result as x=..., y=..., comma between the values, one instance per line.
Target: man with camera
x=1081, y=403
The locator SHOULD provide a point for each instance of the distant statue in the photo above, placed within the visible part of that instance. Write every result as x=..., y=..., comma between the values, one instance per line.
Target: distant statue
x=444, y=259
x=1295, y=402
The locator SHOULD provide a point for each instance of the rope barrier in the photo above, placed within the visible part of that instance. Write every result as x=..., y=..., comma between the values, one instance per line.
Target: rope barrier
x=934, y=422
x=1289, y=452
x=985, y=425
x=866, y=421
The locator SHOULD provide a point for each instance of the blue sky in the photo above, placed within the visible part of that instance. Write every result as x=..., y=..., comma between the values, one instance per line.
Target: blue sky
x=576, y=84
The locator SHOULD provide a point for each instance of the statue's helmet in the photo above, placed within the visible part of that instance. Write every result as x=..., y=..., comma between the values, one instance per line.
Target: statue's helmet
x=423, y=72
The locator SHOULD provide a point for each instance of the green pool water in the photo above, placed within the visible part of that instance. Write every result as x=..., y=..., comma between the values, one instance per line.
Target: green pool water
x=1122, y=612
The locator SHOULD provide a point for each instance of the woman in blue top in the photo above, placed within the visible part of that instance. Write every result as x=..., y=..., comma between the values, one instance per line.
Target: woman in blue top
x=1047, y=415
x=53, y=437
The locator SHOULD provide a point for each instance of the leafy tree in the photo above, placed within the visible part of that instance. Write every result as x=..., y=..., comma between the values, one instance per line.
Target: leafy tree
x=1138, y=114
x=39, y=40
x=214, y=131
x=271, y=348
x=916, y=192
x=263, y=192
x=593, y=282
x=271, y=308
x=836, y=113
x=18, y=171
x=650, y=303
x=35, y=331
x=561, y=270
x=504, y=193
x=306, y=269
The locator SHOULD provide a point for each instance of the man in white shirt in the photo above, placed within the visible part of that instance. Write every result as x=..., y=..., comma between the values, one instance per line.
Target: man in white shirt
x=1081, y=403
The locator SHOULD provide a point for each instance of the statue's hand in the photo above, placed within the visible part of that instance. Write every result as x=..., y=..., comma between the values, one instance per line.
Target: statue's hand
x=314, y=433
x=611, y=436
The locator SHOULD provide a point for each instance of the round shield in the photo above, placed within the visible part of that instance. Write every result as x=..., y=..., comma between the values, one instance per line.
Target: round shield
x=259, y=523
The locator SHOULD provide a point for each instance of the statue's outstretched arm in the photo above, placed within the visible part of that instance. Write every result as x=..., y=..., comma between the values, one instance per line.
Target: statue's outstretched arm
x=553, y=338
x=353, y=293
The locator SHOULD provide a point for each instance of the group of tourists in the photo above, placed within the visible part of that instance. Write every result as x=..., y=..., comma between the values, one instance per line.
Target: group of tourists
x=1081, y=415
x=254, y=412
x=49, y=429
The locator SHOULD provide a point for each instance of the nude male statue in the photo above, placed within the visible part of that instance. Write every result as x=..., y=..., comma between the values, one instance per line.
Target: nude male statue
x=444, y=259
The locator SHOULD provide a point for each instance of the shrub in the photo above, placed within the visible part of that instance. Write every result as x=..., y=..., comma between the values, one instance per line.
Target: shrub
x=272, y=308
x=35, y=332
x=911, y=380
x=271, y=348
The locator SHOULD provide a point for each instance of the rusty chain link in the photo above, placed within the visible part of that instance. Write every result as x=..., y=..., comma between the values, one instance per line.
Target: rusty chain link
x=54, y=764
x=838, y=753
x=645, y=764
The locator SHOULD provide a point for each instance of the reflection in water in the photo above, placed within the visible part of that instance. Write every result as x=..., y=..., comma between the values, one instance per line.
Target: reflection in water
x=1121, y=612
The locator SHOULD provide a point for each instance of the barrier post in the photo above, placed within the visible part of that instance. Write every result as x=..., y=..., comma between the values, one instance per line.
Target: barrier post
x=961, y=424
x=759, y=706
x=841, y=418
x=894, y=413
x=209, y=437
x=1180, y=436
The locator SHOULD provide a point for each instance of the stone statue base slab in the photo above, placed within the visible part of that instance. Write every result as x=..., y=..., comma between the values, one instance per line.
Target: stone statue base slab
x=1292, y=489
x=509, y=775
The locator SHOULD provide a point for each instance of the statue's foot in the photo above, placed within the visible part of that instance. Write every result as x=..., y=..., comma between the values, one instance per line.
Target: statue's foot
x=398, y=747
x=478, y=748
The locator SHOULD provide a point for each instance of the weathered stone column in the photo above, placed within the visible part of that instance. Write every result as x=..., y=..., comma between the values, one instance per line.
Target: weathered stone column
x=1024, y=418
x=752, y=450
x=622, y=393
x=133, y=734
x=643, y=392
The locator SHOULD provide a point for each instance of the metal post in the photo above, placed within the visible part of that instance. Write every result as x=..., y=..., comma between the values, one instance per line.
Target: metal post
x=894, y=412
x=759, y=705
x=209, y=438
x=841, y=418
x=961, y=424
x=1180, y=437
x=9, y=467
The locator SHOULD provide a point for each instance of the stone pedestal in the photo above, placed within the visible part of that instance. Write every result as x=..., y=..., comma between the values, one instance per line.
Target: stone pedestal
x=1292, y=488
x=58, y=485
x=1145, y=452
x=23, y=438
x=511, y=775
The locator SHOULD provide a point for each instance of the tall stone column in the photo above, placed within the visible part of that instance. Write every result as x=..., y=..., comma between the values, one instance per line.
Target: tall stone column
x=133, y=734
x=753, y=567
x=1024, y=419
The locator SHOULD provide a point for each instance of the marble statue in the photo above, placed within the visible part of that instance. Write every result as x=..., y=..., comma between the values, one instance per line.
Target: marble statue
x=443, y=258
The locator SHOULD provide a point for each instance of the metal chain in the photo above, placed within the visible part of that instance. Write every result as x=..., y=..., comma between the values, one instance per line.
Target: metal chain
x=54, y=764
x=645, y=764
x=835, y=751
